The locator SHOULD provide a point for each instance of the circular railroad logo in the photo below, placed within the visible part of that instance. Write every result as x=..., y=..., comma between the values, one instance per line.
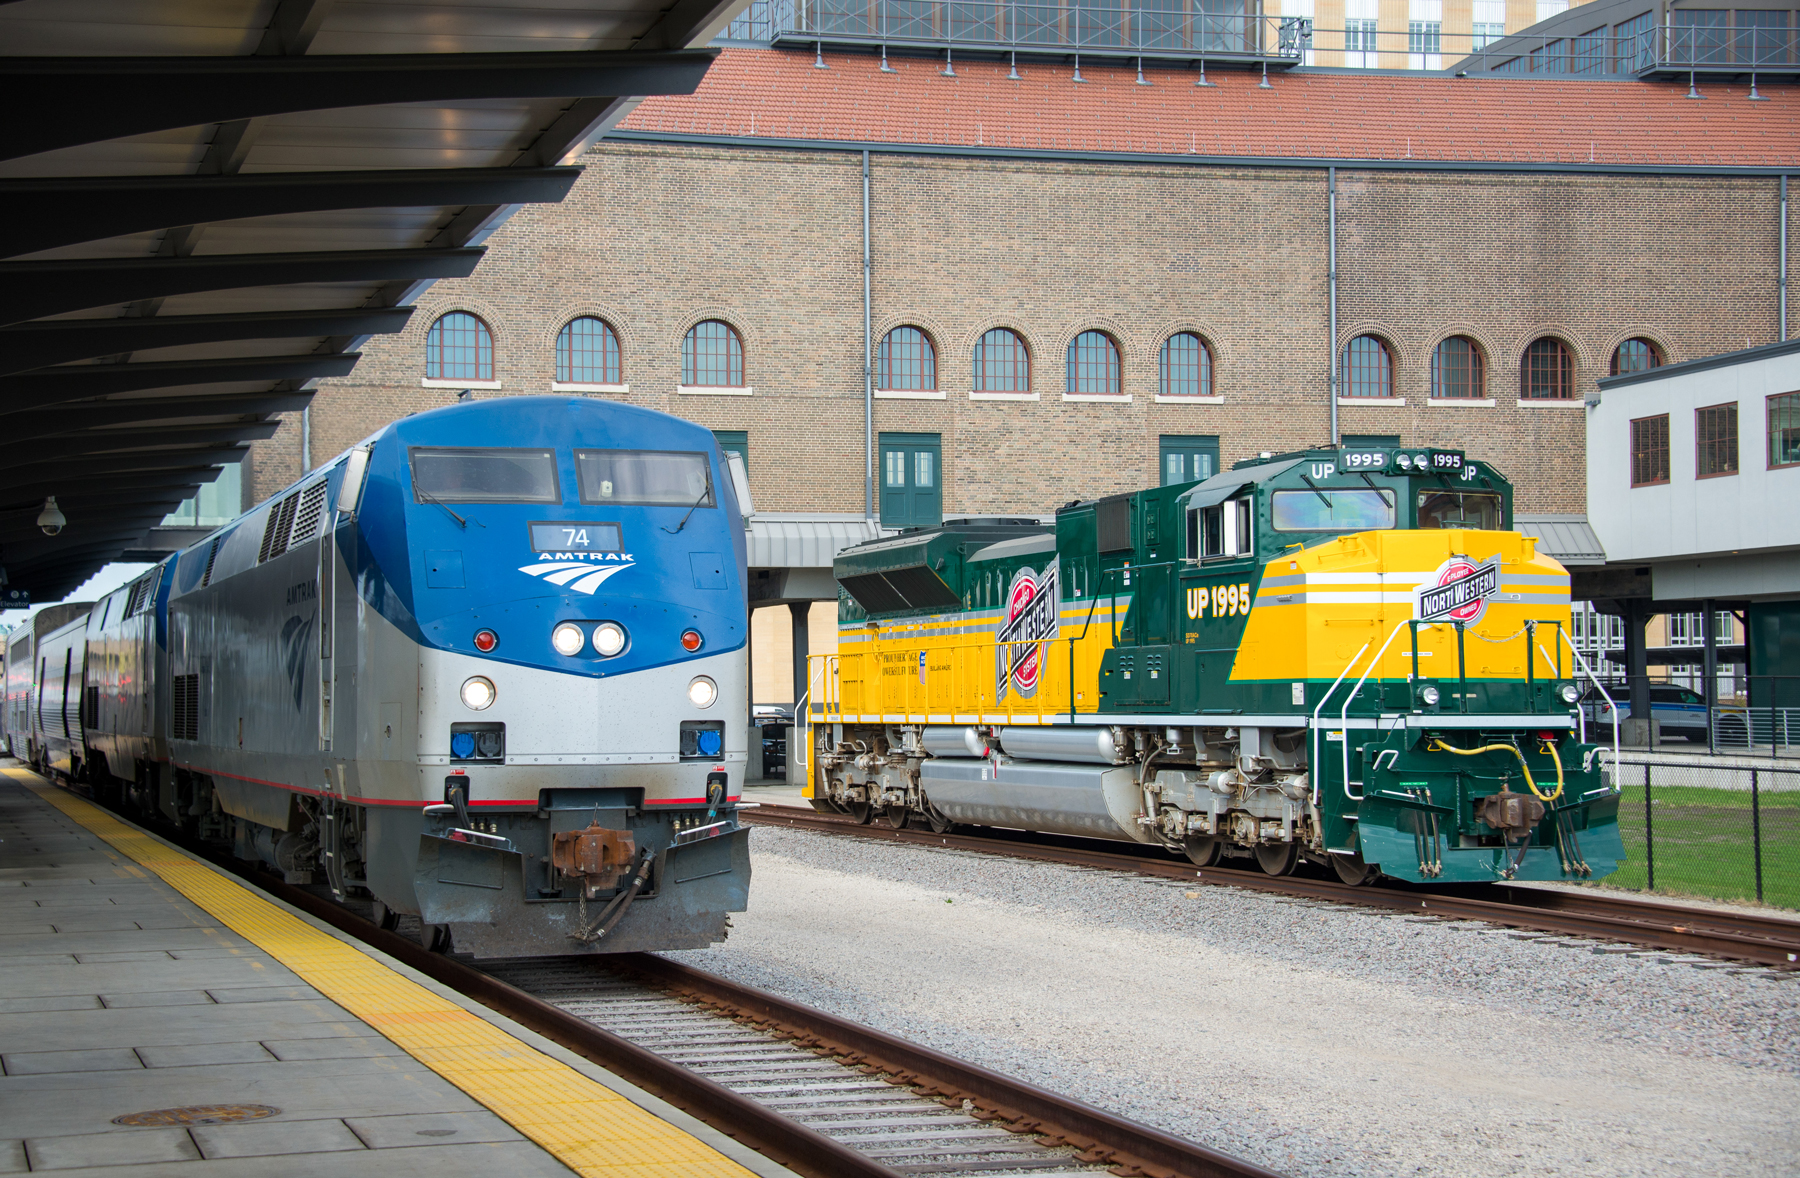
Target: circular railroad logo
x=1019, y=596
x=198, y=1114
x=1459, y=591
x=1456, y=570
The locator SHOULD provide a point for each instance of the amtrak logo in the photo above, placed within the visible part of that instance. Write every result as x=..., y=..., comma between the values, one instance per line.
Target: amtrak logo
x=571, y=572
x=296, y=645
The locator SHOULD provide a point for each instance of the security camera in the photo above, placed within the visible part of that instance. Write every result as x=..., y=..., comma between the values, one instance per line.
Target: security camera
x=51, y=519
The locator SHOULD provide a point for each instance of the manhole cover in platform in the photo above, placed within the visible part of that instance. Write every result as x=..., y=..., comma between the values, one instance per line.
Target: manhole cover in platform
x=198, y=1114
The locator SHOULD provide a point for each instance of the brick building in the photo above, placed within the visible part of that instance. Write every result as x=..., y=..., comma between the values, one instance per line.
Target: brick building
x=1158, y=257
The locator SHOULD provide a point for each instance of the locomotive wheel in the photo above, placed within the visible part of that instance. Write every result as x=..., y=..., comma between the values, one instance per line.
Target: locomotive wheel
x=385, y=918
x=1278, y=858
x=1204, y=850
x=435, y=937
x=1353, y=871
x=896, y=817
x=938, y=823
x=862, y=812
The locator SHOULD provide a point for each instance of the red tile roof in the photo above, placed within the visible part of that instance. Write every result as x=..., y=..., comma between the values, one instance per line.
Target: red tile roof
x=773, y=94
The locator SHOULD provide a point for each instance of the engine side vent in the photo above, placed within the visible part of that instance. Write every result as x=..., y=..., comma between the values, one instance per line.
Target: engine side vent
x=212, y=555
x=1112, y=523
x=922, y=588
x=307, y=518
x=134, y=604
x=90, y=708
x=184, y=707
x=281, y=526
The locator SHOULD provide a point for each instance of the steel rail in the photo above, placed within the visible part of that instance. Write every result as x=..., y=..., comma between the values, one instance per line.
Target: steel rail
x=1765, y=941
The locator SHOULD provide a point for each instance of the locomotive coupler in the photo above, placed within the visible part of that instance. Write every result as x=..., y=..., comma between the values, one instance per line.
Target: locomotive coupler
x=1513, y=815
x=597, y=856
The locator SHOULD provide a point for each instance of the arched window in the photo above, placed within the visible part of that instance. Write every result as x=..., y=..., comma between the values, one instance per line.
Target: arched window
x=587, y=352
x=1186, y=366
x=906, y=361
x=1368, y=370
x=1002, y=365
x=459, y=347
x=1548, y=373
x=712, y=354
x=1094, y=365
x=1457, y=370
x=1636, y=355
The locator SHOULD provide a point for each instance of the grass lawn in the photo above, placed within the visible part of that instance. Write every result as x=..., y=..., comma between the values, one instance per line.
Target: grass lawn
x=1702, y=843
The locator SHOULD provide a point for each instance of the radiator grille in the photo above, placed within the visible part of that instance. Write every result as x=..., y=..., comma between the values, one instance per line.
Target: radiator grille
x=184, y=699
x=307, y=518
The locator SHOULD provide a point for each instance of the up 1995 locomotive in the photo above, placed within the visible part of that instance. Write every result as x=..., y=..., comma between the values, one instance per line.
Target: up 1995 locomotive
x=1336, y=656
x=487, y=667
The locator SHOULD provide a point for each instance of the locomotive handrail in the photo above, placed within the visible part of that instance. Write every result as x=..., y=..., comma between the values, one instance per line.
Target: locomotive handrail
x=1581, y=716
x=1317, y=758
x=1344, y=713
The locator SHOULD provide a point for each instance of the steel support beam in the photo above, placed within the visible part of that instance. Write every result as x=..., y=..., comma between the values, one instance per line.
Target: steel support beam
x=80, y=475
x=44, y=423
x=60, y=102
x=124, y=443
x=45, y=214
x=32, y=290
x=25, y=391
x=26, y=346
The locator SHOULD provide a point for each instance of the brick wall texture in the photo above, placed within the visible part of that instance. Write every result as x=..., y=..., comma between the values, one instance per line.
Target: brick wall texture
x=657, y=236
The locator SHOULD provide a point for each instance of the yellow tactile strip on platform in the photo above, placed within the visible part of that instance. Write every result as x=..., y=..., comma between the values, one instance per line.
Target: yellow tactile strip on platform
x=587, y=1126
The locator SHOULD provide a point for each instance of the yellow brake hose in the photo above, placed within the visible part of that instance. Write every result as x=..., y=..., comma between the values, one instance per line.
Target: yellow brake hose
x=1440, y=746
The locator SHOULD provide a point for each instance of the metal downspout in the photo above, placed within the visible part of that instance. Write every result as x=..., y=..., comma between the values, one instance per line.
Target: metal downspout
x=1331, y=279
x=1781, y=282
x=868, y=362
x=306, y=440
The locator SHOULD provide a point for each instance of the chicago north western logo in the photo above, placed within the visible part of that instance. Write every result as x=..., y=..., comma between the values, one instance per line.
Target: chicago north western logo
x=1031, y=606
x=1459, y=592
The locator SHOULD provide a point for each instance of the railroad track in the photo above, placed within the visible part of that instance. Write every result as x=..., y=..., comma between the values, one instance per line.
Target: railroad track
x=822, y=1095
x=1728, y=937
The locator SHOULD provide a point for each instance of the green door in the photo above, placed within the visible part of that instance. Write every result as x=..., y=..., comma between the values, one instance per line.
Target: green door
x=911, y=477
x=1187, y=458
x=735, y=441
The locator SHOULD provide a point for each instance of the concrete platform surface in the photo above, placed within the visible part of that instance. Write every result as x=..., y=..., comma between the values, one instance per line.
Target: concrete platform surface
x=142, y=1033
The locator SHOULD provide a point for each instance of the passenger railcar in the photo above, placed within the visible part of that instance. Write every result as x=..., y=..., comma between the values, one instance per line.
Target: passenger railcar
x=487, y=667
x=1347, y=657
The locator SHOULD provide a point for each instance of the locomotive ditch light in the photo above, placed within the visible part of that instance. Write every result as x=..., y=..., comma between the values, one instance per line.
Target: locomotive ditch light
x=690, y=640
x=1569, y=693
x=609, y=639
x=568, y=639
x=1429, y=696
x=478, y=693
x=702, y=692
x=486, y=640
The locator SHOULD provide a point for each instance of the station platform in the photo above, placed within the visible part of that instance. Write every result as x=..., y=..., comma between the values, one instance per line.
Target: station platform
x=160, y=1018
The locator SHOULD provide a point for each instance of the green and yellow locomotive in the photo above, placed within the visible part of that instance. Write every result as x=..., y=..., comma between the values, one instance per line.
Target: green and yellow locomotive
x=1342, y=656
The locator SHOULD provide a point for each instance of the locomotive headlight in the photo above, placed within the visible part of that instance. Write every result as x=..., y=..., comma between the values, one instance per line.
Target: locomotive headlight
x=609, y=639
x=568, y=639
x=702, y=692
x=1429, y=696
x=1569, y=692
x=478, y=693
x=1403, y=461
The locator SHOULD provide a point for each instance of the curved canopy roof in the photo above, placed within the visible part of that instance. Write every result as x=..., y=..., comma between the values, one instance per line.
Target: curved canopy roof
x=207, y=204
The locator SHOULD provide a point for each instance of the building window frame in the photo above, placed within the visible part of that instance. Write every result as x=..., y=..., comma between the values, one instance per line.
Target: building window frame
x=1624, y=365
x=1650, y=451
x=574, y=363
x=466, y=358
x=1188, y=364
x=1186, y=450
x=1448, y=376
x=1716, y=440
x=1095, y=369
x=917, y=369
x=1548, y=363
x=1783, y=424
x=712, y=357
x=1368, y=361
x=1002, y=366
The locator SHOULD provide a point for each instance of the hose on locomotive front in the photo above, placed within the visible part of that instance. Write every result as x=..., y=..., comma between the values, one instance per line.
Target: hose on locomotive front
x=614, y=912
x=1441, y=747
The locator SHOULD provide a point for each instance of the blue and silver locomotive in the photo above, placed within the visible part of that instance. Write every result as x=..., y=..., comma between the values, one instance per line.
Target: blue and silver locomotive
x=487, y=667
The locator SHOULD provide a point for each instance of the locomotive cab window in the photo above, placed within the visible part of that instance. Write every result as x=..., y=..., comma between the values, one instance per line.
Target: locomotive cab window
x=1460, y=509
x=1219, y=531
x=484, y=476
x=645, y=478
x=1332, y=510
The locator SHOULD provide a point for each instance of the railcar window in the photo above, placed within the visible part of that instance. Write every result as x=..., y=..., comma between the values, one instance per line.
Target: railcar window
x=1459, y=509
x=653, y=478
x=1220, y=530
x=484, y=476
x=1332, y=510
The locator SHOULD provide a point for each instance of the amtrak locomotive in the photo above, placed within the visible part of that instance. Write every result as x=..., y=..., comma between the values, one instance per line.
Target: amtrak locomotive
x=487, y=667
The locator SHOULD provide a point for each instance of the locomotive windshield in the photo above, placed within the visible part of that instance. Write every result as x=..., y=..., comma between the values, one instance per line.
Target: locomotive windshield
x=652, y=478
x=1333, y=510
x=1460, y=509
x=484, y=476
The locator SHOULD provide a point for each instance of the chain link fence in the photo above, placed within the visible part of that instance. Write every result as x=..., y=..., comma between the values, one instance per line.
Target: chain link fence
x=1719, y=832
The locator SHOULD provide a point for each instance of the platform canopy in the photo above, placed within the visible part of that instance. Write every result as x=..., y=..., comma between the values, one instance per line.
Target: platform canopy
x=207, y=204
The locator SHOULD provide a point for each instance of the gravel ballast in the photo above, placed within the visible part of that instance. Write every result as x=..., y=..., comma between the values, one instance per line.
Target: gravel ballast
x=1311, y=1038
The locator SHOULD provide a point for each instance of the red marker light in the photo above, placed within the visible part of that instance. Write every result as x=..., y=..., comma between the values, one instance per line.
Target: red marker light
x=486, y=640
x=690, y=640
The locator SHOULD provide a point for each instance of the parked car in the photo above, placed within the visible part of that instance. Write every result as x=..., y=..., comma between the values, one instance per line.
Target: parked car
x=772, y=722
x=1680, y=711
